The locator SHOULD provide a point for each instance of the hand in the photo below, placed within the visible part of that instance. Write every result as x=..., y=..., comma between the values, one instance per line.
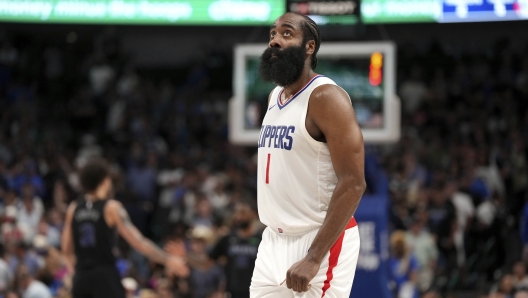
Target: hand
x=176, y=266
x=301, y=274
x=175, y=248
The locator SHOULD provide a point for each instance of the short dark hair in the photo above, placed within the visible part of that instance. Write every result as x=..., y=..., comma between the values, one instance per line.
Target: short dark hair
x=93, y=174
x=311, y=32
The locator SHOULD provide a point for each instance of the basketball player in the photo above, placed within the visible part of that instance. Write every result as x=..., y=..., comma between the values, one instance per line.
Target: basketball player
x=89, y=238
x=310, y=172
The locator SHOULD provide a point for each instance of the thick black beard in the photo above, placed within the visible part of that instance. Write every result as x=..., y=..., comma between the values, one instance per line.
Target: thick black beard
x=284, y=69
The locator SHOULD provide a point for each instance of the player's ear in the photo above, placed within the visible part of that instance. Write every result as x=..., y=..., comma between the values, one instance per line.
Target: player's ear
x=310, y=47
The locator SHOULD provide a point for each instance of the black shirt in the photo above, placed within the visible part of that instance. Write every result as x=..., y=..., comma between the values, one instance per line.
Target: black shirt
x=93, y=239
x=441, y=219
x=241, y=254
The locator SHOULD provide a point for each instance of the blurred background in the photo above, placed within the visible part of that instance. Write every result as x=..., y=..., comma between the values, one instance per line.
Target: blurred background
x=147, y=85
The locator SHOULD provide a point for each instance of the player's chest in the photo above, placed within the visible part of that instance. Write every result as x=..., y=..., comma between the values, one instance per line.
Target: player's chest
x=289, y=114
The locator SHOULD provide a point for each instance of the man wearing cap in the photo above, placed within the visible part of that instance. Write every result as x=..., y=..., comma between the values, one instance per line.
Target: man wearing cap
x=239, y=250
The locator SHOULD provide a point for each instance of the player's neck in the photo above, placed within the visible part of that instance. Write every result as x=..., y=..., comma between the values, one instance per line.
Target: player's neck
x=92, y=197
x=290, y=90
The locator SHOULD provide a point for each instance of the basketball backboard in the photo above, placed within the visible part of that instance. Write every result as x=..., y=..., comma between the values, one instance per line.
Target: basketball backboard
x=366, y=70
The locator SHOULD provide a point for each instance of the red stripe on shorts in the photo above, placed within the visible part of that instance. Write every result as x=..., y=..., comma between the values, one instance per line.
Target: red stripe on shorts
x=267, y=169
x=335, y=251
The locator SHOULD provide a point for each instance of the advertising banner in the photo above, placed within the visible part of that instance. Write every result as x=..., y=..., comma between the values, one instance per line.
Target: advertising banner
x=161, y=12
x=371, y=278
x=442, y=11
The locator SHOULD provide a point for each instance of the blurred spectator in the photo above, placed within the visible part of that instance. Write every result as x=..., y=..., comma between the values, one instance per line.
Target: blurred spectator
x=442, y=222
x=504, y=289
x=238, y=250
x=519, y=276
x=214, y=187
x=60, y=196
x=55, y=219
x=31, y=288
x=54, y=272
x=141, y=177
x=101, y=75
x=6, y=274
x=10, y=199
x=403, y=267
x=115, y=117
x=12, y=294
x=128, y=80
x=26, y=257
x=30, y=211
x=488, y=171
x=423, y=246
x=431, y=294
x=11, y=233
x=413, y=90
x=206, y=278
x=147, y=293
x=131, y=286
x=29, y=177
x=465, y=211
x=164, y=290
x=204, y=215
x=415, y=177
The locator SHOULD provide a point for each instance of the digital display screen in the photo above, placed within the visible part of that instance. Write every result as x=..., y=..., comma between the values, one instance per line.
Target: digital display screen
x=400, y=11
x=327, y=12
x=159, y=12
x=442, y=11
x=360, y=77
x=484, y=10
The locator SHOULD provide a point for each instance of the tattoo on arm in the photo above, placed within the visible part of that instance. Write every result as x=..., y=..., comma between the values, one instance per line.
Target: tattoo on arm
x=142, y=244
x=125, y=219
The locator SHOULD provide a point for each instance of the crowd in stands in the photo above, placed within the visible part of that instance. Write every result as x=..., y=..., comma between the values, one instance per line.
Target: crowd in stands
x=459, y=175
x=181, y=181
x=458, y=178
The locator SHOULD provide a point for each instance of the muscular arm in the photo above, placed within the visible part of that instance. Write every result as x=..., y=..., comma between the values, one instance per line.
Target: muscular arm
x=118, y=217
x=67, y=238
x=332, y=115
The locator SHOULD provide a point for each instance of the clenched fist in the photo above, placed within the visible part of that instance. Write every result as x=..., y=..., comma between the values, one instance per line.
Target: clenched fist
x=301, y=274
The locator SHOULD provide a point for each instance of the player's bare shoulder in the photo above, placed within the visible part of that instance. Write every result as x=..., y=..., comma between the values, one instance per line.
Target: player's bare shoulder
x=71, y=207
x=329, y=111
x=329, y=102
x=71, y=210
x=330, y=96
x=112, y=211
x=113, y=205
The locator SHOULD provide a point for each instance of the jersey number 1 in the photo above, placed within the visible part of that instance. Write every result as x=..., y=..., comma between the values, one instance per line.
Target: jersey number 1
x=267, y=169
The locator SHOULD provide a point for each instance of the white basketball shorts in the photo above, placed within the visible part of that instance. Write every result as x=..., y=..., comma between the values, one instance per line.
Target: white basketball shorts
x=278, y=252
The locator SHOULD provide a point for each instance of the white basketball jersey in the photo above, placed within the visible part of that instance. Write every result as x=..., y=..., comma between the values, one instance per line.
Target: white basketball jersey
x=296, y=177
